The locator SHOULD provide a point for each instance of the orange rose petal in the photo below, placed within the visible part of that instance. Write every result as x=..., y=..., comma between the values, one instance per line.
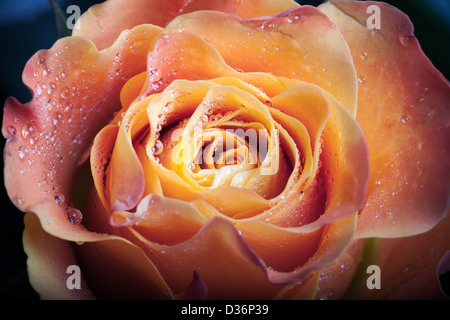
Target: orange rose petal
x=132, y=88
x=345, y=165
x=279, y=248
x=343, y=154
x=48, y=261
x=100, y=156
x=161, y=220
x=103, y=22
x=335, y=239
x=152, y=181
x=75, y=92
x=227, y=265
x=290, y=44
x=126, y=175
x=403, y=109
x=178, y=57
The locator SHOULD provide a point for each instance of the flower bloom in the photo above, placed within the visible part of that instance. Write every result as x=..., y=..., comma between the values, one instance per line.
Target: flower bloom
x=223, y=149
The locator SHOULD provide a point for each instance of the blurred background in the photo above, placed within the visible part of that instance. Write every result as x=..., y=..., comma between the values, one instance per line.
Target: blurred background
x=27, y=26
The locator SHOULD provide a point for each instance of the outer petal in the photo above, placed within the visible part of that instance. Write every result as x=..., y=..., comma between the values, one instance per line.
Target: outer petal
x=403, y=104
x=48, y=260
x=52, y=132
x=102, y=23
x=290, y=44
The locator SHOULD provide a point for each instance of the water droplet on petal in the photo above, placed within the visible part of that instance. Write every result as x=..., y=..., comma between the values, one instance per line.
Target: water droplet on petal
x=157, y=148
x=22, y=152
x=48, y=175
x=168, y=107
x=59, y=198
x=74, y=215
x=405, y=119
x=154, y=75
x=28, y=130
x=57, y=118
x=65, y=93
x=11, y=130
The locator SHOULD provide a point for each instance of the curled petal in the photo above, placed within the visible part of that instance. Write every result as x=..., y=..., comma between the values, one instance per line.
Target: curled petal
x=403, y=110
x=334, y=241
x=162, y=220
x=53, y=131
x=218, y=253
x=126, y=176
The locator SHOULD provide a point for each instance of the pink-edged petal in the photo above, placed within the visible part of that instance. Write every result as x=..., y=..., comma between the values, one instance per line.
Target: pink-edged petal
x=75, y=92
x=403, y=104
x=103, y=22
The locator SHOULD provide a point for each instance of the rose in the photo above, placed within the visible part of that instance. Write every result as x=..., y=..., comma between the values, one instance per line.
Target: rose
x=190, y=240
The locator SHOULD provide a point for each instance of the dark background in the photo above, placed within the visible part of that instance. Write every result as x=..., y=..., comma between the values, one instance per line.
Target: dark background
x=27, y=26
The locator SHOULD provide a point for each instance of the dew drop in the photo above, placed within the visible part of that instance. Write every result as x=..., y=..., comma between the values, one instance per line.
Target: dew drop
x=51, y=87
x=38, y=90
x=168, y=107
x=65, y=93
x=157, y=148
x=28, y=130
x=74, y=215
x=11, y=130
x=48, y=175
x=155, y=75
x=405, y=119
x=59, y=198
x=157, y=84
x=21, y=153
x=57, y=118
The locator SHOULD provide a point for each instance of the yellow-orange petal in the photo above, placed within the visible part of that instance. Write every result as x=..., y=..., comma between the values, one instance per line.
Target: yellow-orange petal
x=403, y=104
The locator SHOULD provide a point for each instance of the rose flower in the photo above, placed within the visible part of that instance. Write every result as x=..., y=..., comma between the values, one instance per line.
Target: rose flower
x=228, y=149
